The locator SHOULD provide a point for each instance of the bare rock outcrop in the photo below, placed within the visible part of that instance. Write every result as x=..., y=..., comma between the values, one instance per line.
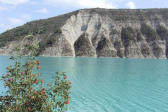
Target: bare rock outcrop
x=83, y=46
x=125, y=33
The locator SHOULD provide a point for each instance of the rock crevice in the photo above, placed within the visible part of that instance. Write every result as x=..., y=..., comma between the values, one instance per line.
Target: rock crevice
x=139, y=33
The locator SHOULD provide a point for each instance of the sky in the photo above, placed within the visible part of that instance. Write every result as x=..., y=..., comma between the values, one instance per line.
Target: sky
x=14, y=13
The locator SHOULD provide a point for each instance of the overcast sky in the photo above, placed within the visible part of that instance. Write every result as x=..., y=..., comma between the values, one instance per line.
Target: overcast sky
x=17, y=12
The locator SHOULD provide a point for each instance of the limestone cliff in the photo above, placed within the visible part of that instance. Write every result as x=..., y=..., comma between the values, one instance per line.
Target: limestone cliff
x=130, y=33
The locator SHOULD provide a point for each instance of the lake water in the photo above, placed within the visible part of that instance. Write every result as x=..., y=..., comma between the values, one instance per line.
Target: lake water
x=110, y=84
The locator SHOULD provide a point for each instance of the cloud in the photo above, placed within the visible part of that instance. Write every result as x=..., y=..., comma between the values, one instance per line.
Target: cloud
x=10, y=4
x=131, y=5
x=2, y=8
x=83, y=3
x=43, y=11
x=13, y=22
x=95, y=3
x=13, y=2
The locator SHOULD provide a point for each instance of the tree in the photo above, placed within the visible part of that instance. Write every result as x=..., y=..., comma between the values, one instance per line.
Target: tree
x=25, y=91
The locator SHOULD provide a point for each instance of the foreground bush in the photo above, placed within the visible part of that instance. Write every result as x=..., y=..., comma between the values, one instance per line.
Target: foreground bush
x=25, y=90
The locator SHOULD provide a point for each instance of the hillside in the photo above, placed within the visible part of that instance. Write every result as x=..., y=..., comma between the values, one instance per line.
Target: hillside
x=130, y=33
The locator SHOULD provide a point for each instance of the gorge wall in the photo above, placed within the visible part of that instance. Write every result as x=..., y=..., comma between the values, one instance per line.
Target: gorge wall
x=130, y=33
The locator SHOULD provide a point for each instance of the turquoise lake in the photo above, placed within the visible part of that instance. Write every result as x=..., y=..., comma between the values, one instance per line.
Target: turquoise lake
x=109, y=84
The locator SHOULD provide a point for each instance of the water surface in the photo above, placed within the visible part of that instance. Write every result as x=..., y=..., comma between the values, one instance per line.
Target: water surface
x=109, y=84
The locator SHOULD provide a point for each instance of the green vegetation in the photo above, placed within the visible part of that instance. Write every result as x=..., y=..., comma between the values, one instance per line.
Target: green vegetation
x=162, y=32
x=157, y=50
x=46, y=42
x=41, y=27
x=139, y=36
x=131, y=15
x=145, y=50
x=149, y=32
x=47, y=30
x=102, y=43
x=128, y=35
x=83, y=46
x=25, y=91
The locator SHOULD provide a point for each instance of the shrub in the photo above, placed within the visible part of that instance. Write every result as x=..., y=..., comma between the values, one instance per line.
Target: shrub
x=25, y=91
x=162, y=32
x=139, y=36
x=149, y=33
x=128, y=34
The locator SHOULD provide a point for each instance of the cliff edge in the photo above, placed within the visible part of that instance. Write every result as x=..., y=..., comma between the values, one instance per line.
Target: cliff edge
x=130, y=33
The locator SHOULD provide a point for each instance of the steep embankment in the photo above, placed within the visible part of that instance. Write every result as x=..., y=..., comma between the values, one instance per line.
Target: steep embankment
x=140, y=33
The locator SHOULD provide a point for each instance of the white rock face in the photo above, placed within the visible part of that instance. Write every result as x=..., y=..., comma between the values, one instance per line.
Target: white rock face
x=111, y=33
x=9, y=49
x=98, y=26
